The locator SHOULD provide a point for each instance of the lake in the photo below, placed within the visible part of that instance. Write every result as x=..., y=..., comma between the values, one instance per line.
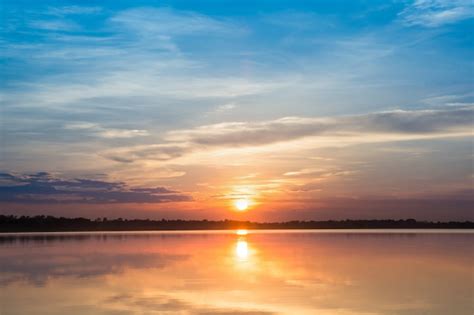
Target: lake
x=238, y=272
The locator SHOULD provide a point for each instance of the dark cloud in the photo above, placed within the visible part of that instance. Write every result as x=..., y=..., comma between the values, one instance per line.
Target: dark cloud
x=43, y=187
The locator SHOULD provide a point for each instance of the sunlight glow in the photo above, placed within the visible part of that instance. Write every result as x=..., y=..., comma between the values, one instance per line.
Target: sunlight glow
x=241, y=232
x=241, y=204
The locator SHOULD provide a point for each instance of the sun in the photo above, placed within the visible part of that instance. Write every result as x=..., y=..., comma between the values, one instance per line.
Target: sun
x=241, y=204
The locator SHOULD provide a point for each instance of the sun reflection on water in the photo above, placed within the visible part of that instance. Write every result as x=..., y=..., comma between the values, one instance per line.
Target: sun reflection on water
x=242, y=250
x=241, y=232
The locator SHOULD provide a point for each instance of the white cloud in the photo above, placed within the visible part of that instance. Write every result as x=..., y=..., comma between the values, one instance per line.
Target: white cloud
x=435, y=13
x=103, y=132
x=225, y=107
x=73, y=9
x=150, y=22
x=319, y=174
x=144, y=82
x=55, y=25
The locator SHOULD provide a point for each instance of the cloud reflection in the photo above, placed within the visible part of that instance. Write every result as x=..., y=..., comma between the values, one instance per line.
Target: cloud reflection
x=46, y=257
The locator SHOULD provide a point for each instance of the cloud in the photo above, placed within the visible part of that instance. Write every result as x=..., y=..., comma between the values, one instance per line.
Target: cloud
x=319, y=173
x=150, y=22
x=135, y=54
x=102, y=132
x=298, y=20
x=435, y=13
x=73, y=10
x=55, y=25
x=44, y=187
x=225, y=107
x=251, y=133
x=158, y=152
x=420, y=122
x=378, y=127
x=150, y=81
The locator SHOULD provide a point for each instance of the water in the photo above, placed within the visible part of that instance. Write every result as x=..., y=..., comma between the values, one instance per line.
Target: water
x=223, y=273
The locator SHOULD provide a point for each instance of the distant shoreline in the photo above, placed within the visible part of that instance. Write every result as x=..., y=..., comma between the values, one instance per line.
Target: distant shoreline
x=240, y=232
x=15, y=224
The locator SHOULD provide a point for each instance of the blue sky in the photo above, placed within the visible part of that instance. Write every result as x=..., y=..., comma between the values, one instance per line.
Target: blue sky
x=155, y=93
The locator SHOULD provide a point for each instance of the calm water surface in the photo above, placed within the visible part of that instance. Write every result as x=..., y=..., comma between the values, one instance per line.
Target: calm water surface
x=222, y=273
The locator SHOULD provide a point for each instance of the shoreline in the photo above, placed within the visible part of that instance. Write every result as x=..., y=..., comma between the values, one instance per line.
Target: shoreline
x=250, y=231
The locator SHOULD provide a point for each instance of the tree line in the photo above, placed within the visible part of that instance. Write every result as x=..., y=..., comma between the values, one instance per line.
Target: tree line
x=41, y=223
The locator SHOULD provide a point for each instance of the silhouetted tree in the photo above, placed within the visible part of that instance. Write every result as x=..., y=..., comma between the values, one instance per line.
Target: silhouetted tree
x=11, y=223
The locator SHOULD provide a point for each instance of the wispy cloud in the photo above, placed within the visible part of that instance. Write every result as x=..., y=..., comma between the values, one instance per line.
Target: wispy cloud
x=99, y=131
x=318, y=172
x=141, y=44
x=59, y=19
x=225, y=107
x=434, y=13
x=157, y=152
x=55, y=25
x=298, y=20
x=143, y=82
x=72, y=10
x=435, y=122
x=152, y=22
x=382, y=126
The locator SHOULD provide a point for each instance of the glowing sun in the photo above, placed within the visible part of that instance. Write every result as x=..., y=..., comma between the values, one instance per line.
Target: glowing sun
x=241, y=204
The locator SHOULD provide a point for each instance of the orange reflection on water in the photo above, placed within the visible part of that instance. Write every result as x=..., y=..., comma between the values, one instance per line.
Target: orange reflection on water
x=237, y=273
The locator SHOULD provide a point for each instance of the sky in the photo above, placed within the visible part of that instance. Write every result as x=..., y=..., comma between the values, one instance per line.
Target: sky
x=304, y=110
